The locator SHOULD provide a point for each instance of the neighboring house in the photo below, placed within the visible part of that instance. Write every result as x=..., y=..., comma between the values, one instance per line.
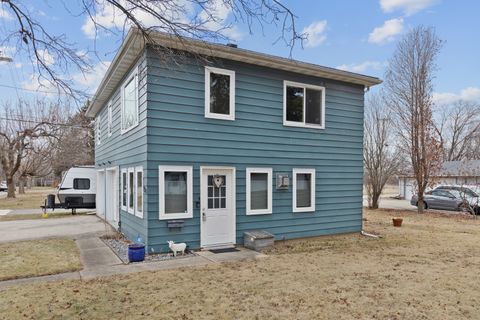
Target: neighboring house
x=465, y=172
x=200, y=149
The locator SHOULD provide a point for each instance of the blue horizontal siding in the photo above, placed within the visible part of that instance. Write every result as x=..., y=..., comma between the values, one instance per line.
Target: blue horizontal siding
x=128, y=149
x=179, y=134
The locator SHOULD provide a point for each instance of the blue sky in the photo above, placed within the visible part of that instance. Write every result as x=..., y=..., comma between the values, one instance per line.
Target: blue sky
x=359, y=36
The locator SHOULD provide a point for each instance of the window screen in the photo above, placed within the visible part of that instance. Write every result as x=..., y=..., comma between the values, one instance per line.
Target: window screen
x=258, y=191
x=81, y=184
x=313, y=107
x=130, y=190
x=219, y=93
x=304, y=189
x=140, y=191
x=124, y=189
x=130, y=103
x=175, y=192
x=295, y=104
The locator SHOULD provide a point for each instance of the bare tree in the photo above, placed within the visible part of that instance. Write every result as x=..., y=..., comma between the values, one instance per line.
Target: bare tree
x=200, y=19
x=35, y=163
x=381, y=158
x=21, y=127
x=75, y=143
x=458, y=129
x=409, y=85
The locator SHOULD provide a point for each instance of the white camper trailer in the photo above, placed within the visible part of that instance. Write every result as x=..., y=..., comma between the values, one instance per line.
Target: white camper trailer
x=78, y=187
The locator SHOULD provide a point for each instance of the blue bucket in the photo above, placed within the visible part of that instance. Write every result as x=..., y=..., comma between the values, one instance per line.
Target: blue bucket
x=136, y=252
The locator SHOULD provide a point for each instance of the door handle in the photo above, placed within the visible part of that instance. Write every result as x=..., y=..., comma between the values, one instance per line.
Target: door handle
x=204, y=216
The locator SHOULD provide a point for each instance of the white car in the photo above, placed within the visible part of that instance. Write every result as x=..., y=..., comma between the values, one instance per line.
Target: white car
x=3, y=186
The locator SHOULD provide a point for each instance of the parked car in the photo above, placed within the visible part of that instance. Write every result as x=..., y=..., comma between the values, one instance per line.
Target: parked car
x=456, y=198
x=3, y=186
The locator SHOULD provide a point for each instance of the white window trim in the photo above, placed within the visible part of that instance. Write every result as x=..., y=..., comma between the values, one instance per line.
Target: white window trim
x=109, y=129
x=312, y=189
x=124, y=208
x=208, y=114
x=161, y=184
x=302, y=124
x=268, y=171
x=138, y=213
x=133, y=75
x=132, y=209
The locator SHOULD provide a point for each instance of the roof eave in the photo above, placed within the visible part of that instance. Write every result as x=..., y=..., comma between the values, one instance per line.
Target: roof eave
x=134, y=44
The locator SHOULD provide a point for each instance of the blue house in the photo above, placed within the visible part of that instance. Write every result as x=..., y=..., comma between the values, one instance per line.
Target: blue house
x=199, y=142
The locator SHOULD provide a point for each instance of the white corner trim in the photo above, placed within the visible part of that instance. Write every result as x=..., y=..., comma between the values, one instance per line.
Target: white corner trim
x=303, y=124
x=138, y=213
x=268, y=210
x=161, y=195
x=231, y=74
x=312, y=190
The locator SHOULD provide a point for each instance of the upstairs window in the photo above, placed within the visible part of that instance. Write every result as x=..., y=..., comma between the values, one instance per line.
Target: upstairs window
x=98, y=132
x=219, y=93
x=304, y=105
x=130, y=102
x=109, y=119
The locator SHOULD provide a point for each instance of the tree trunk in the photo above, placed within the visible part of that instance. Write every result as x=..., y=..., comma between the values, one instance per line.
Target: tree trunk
x=11, y=187
x=375, y=198
x=420, y=205
x=21, y=185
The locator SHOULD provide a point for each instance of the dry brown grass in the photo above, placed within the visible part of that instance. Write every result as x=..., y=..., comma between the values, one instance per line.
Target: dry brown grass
x=36, y=258
x=428, y=269
x=32, y=198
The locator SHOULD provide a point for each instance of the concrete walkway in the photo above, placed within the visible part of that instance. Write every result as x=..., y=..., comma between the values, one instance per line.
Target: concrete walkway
x=99, y=261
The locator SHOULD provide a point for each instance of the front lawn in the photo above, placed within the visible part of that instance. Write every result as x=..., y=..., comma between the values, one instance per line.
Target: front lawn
x=33, y=198
x=34, y=216
x=427, y=269
x=36, y=258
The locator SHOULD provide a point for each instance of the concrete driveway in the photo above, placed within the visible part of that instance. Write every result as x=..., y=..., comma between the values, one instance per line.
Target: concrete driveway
x=73, y=227
x=390, y=203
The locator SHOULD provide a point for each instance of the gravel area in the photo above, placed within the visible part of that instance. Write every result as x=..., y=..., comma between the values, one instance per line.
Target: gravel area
x=120, y=247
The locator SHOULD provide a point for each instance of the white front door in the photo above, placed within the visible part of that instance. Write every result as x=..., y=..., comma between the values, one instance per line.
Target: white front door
x=217, y=215
x=100, y=193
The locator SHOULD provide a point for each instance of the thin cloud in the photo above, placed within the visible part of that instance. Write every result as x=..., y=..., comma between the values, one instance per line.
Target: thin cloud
x=315, y=33
x=386, y=32
x=408, y=7
x=362, y=67
x=468, y=94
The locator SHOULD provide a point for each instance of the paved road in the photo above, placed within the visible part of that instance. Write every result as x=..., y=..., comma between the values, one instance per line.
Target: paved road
x=75, y=227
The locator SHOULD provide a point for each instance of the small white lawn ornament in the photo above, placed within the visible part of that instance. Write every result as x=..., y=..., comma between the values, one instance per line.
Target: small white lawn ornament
x=218, y=181
x=177, y=247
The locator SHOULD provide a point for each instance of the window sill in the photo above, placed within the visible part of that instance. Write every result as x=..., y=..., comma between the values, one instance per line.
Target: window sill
x=173, y=216
x=129, y=129
x=309, y=209
x=220, y=116
x=302, y=125
x=258, y=212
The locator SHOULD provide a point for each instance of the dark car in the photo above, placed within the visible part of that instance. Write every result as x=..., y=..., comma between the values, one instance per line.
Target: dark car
x=450, y=198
